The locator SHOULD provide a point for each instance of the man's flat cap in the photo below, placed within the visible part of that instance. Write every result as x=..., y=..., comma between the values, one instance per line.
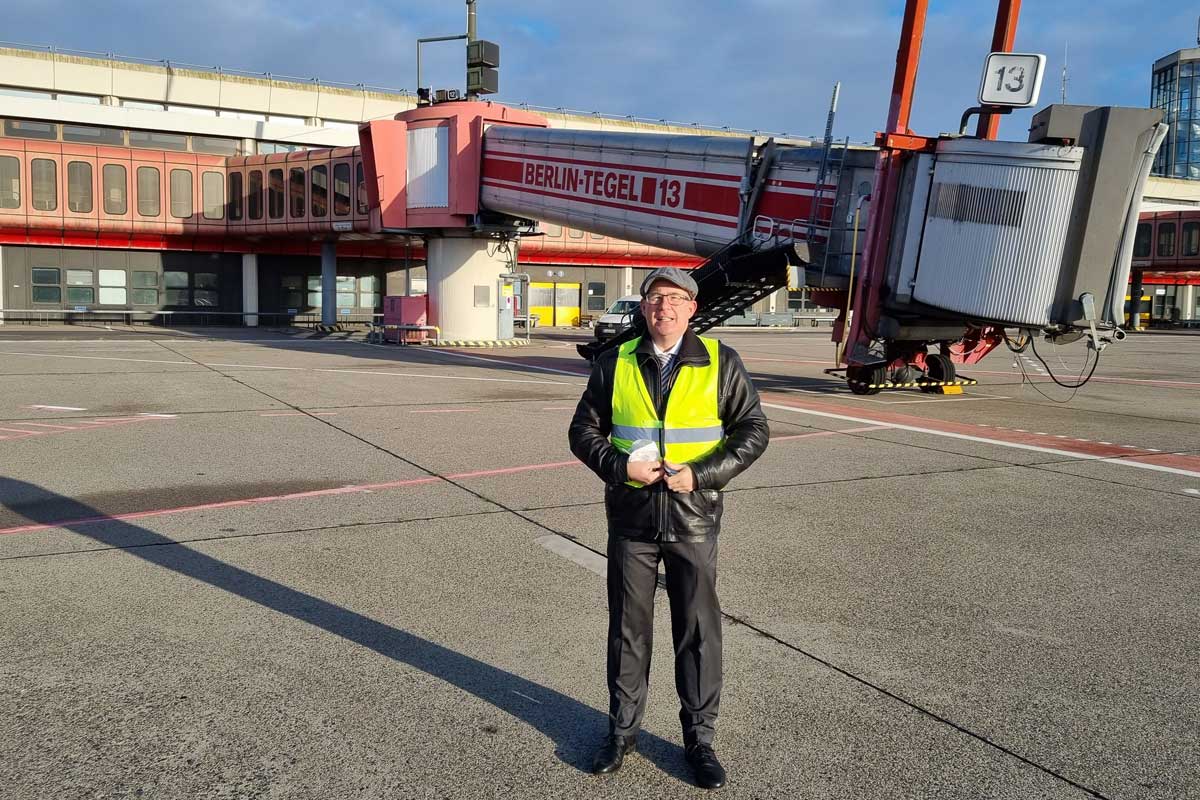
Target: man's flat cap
x=672, y=275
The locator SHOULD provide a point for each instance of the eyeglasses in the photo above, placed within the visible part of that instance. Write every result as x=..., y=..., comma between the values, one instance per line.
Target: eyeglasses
x=657, y=299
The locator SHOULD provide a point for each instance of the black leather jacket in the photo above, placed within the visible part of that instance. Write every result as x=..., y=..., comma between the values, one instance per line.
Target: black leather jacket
x=656, y=512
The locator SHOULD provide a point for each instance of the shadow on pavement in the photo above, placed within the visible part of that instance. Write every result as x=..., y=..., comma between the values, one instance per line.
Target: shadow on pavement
x=575, y=728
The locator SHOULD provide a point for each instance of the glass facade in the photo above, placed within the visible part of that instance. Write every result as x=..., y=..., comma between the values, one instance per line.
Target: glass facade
x=1175, y=87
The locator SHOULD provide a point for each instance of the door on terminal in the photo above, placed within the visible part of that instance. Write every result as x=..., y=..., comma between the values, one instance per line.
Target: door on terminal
x=555, y=304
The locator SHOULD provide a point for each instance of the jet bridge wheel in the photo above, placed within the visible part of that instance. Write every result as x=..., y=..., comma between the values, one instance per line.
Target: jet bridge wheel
x=938, y=368
x=866, y=379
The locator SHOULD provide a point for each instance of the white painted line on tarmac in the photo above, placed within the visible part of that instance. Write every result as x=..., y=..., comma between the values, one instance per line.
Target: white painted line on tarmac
x=441, y=377
x=827, y=433
x=1192, y=491
x=94, y=358
x=58, y=408
x=591, y=561
x=157, y=416
x=984, y=440
x=252, y=366
x=513, y=363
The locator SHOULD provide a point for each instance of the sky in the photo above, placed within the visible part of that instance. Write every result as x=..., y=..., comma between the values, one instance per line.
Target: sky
x=765, y=65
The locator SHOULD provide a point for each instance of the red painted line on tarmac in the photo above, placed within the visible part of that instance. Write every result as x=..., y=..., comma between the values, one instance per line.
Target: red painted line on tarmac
x=510, y=470
x=91, y=425
x=46, y=425
x=1101, y=379
x=1046, y=442
x=824, y=363
x=440, y=410
x=275, y=498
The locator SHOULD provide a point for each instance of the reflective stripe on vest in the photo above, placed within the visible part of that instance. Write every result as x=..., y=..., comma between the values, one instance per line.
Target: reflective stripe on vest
x=692, y=428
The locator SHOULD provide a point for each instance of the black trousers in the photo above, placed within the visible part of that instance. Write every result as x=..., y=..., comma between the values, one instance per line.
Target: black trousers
x=691, y=569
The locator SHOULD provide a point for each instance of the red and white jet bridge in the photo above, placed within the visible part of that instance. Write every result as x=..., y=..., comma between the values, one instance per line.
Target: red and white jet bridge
x=967, y=239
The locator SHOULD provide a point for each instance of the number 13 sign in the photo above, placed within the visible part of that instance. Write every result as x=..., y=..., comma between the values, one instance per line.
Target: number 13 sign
x=1012, y=79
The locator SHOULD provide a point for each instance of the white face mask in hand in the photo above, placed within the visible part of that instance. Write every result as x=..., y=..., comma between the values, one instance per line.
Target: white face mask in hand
x=646, y=450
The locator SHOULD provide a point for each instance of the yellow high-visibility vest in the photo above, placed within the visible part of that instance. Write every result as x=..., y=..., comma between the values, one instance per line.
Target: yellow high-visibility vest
x=692, y=428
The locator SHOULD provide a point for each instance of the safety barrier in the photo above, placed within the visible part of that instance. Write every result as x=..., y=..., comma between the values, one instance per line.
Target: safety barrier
x=44, y=316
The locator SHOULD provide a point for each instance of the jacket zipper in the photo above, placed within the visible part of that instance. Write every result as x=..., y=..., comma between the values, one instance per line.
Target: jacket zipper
x=660, y=403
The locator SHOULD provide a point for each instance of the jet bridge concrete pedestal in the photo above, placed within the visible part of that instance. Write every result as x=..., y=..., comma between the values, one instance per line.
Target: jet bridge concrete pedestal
x=463, y=276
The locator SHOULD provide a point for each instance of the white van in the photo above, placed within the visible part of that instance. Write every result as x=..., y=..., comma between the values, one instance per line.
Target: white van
x=618, y=317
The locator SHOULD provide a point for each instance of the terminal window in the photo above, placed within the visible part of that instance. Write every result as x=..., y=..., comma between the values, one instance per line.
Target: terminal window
x=112, y=287
x=79, y=187
x=113, y=176
x=45, y=184
x=275, y=194
x=45, y=285
x=148, y=199
x=296, y=192
x=181, y=193
x=254, y=196
x=341, y=189
x=10, y=182
x=320, y=190
x=595, y=301
x=212, y=190
x=80, y=295
x=235, y=196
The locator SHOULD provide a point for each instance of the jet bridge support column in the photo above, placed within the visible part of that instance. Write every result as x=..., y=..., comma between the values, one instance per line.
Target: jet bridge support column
x=462, y=274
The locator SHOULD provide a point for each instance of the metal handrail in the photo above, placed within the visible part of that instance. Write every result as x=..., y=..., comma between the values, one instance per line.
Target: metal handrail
x=130, y=316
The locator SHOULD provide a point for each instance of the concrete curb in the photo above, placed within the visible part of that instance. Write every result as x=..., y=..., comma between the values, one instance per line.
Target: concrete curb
x=480, y=343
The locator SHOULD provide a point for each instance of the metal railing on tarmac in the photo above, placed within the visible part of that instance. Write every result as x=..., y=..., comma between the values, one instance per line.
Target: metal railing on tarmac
x=44, y=316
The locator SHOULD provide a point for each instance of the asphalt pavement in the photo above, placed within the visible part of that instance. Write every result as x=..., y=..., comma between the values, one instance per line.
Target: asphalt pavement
x=255, y=563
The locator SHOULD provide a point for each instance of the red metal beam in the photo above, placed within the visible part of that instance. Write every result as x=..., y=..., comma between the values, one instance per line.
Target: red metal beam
x=907, y=57
x=866, y=302
x=1002, y=42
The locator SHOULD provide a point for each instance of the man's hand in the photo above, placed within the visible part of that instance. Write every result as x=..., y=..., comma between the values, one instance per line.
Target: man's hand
x=683, y=480
x=644, y=472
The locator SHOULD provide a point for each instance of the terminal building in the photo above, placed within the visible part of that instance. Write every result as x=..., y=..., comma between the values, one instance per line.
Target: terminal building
x=120, y=190
x=206, y=196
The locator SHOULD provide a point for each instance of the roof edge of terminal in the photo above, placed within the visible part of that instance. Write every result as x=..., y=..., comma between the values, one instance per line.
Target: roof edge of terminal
x=160, y=91
x=168, y=67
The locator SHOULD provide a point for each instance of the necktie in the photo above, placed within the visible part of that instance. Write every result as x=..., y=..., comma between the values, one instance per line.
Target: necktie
x=665, y=363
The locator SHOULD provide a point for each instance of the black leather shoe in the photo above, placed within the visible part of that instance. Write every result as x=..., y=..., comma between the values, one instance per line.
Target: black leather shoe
x=708, y=771
x=611, y=754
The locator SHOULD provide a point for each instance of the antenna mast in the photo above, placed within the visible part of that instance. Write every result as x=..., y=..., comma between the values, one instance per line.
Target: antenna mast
x=1065, y=80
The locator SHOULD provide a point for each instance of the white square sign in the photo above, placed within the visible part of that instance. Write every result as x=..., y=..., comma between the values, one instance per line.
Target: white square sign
x=1012, y=79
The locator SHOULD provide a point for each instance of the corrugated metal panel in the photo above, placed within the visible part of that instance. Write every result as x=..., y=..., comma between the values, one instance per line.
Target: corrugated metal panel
x=995, y=229
x=429, y=167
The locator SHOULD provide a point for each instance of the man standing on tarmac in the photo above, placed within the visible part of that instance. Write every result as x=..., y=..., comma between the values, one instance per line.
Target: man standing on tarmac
x=666, y=421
